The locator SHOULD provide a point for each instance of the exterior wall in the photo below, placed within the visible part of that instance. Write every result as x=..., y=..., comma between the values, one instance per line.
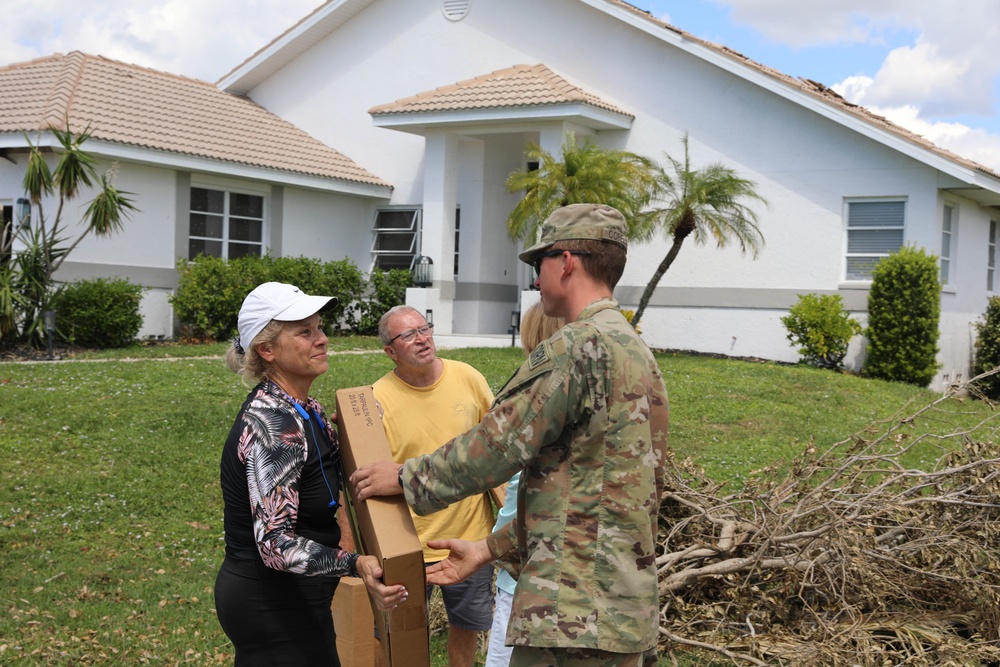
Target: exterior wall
x=964, y=299
x=330, y=227
x=410, y=47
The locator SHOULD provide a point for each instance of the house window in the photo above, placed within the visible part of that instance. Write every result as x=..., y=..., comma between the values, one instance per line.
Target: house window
x=225, y=224
x=397, y=232
x=949, y=236
x=874, y=231
x=991, y=258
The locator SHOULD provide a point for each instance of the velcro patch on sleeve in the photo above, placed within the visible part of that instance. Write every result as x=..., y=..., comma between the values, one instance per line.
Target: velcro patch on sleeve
x=539, y=356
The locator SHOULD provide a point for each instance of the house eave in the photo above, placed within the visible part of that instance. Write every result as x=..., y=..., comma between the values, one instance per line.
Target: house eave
x=981, y=196
x=181, y=162
x=503, y=119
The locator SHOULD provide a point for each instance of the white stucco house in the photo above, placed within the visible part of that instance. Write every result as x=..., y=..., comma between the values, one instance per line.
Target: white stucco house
x=382, y=130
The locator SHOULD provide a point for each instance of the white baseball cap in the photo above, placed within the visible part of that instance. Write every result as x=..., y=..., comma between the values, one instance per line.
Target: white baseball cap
x=277, y=301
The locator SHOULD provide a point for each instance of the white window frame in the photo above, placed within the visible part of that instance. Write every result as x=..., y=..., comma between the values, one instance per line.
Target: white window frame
x=225, y=217
x=871, y=217
x=378, y=234
x=991, y=255
x=949, y=243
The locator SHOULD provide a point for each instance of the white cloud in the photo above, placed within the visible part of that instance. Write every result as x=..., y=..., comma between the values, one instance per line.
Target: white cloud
x=203, y=39
x=947, y=67
x=971, y=143
x=941, y=84
x=974, y=144
x=939, y=64
x=822, y=22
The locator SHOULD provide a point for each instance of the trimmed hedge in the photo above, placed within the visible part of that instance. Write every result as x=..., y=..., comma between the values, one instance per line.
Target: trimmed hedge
x=211, y=290
x=988, y=349
x=99, y=313
x=904, y=315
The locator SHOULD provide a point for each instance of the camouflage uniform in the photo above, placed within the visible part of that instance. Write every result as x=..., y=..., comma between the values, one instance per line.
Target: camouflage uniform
x=586, y=418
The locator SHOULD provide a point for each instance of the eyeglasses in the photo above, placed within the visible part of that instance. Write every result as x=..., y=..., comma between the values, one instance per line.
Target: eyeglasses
x=410, y=334
x=553, y=253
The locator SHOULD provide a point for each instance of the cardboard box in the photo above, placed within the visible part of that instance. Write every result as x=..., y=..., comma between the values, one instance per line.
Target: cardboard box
x=355, y=624
x=382, y=527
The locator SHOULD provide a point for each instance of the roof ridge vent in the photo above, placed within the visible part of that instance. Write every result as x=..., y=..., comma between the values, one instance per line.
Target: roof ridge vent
x=455, y=10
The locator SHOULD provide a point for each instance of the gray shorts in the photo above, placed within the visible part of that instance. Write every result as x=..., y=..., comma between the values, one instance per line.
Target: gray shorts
x=469, y=603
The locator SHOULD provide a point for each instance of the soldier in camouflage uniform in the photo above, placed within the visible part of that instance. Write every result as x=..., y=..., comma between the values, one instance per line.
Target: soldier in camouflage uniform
x=586, y=418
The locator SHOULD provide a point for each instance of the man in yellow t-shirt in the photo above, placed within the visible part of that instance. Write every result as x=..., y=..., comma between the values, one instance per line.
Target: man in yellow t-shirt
x=427, y=401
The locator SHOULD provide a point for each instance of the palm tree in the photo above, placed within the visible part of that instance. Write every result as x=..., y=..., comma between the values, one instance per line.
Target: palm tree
x=26, y=282
x=76, y=169
x=586, y=174
x=712, y=202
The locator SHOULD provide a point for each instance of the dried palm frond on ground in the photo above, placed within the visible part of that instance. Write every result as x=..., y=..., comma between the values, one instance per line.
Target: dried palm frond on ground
x=847, y=558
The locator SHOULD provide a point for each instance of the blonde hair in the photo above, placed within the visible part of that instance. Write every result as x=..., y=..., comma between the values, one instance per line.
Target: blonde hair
x=249, y=365
x=536, y=327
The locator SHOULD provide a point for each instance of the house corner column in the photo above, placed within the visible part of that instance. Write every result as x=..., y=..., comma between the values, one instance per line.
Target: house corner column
x=438, y=232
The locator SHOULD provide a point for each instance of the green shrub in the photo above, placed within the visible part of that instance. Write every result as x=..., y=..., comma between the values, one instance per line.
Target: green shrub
x=821, y=328
x=904, y=313
x=344, y=280
x=99, y=313
x=210, y=291
x=385, y=290
x=341, y=279
x=988, y=349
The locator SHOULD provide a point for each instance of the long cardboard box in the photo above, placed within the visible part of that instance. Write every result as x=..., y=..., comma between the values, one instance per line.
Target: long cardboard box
x=354, y=623
x=382, y=527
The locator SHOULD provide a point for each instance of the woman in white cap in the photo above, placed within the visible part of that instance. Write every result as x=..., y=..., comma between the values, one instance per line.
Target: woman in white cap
x=281, y=480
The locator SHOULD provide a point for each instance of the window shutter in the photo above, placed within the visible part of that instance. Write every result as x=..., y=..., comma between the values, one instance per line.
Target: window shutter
x=874, y=230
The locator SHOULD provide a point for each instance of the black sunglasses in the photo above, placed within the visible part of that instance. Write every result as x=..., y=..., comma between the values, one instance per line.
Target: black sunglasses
x=553, y=253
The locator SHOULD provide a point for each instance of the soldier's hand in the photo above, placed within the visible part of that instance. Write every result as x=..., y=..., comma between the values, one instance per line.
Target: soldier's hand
x=376, y=479
x=464, y=559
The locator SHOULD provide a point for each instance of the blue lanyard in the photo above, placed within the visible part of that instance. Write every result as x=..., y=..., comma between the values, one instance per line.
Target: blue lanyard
x=305, y=415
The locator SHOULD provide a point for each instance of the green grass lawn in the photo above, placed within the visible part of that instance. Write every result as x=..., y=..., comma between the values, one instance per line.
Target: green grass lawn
x=111, y=513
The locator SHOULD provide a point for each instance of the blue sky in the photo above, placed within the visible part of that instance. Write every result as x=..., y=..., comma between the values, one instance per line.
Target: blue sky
x=920, y=63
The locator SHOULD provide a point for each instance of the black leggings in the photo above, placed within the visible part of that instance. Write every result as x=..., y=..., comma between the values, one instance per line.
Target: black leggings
x=276, y=618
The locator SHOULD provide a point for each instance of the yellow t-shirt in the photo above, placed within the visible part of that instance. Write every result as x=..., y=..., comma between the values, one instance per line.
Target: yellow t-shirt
x=417, y=421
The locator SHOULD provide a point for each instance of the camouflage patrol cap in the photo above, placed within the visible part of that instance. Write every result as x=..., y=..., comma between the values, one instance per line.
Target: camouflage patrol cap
x=597, y=222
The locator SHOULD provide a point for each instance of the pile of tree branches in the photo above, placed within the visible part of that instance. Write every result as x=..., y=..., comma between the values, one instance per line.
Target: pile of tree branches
x=846, y=557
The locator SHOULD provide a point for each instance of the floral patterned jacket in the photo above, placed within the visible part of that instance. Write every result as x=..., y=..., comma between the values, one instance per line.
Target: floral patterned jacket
x=280, y=503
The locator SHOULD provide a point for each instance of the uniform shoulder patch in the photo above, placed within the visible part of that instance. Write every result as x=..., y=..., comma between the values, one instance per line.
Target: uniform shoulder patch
x=539, y=356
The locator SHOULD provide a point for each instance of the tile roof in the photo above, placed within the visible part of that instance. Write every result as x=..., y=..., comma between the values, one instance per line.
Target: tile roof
x=513, y=87
x=814, y=89
x=136, y=106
